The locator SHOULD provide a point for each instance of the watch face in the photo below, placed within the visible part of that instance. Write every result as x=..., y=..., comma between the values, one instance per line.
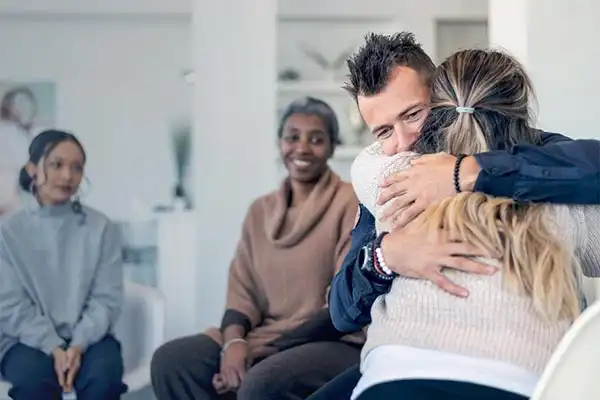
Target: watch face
x=366, y=264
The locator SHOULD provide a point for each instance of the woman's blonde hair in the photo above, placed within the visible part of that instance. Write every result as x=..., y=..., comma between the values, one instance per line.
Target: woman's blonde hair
x=497, y=90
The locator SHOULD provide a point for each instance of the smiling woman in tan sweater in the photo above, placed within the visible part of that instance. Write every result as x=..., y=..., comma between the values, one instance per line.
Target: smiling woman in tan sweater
x=276, y=340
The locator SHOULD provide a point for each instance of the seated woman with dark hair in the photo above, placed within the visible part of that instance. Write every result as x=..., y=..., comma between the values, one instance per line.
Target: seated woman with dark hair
x=276, y=339
x=61, y=289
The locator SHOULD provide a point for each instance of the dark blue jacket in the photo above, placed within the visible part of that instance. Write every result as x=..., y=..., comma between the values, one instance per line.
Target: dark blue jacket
x=560, y=171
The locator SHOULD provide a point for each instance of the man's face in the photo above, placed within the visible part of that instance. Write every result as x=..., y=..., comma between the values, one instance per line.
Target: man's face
x=396, y=114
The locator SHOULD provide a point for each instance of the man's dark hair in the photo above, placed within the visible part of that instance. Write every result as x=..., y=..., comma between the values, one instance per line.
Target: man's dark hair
x=372, y=64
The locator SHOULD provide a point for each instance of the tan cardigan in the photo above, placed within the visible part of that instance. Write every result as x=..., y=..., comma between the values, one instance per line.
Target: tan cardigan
x=283, y=266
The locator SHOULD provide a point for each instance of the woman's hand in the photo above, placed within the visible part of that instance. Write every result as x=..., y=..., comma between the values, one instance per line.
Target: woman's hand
x=233, y=365
x=219, y=384
x=61, y=365
x=429, y=181
x=417, y=253
x=74, y=362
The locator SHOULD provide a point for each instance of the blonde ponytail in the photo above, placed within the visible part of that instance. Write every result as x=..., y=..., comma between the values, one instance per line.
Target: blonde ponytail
x=465, y=136
x=480, y=100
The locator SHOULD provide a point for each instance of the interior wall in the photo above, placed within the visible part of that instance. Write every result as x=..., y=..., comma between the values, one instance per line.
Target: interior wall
x=117, y=67
x=118, y=88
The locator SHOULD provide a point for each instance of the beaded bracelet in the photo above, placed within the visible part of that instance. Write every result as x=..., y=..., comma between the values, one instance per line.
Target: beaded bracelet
x=381, y=262
x=378, y=260
x=459, y=159
x=229, y=343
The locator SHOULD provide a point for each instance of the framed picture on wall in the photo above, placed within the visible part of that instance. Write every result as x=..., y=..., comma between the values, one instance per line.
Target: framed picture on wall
x=26, y=108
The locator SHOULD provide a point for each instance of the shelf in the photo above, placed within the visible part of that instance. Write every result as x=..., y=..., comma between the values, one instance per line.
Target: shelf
x=311, y=87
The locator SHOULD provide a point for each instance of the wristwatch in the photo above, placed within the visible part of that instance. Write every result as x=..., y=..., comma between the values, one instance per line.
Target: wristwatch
x=366, y=260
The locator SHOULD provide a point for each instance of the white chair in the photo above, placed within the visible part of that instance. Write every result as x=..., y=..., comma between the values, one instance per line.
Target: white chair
x=4, y=387
x=572, y=372
x=141, y=330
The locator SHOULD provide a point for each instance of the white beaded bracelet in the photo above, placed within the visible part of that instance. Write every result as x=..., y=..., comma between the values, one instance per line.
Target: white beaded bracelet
x=381, y=262
x=229, y=343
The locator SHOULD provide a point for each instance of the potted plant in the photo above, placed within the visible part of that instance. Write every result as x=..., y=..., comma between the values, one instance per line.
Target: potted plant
x=181, y=138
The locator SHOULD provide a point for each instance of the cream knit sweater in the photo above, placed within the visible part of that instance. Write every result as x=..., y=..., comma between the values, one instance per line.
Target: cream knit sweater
x=493, y=322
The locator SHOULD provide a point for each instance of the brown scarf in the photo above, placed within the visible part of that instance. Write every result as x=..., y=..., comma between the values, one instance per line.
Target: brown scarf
x=309, y=215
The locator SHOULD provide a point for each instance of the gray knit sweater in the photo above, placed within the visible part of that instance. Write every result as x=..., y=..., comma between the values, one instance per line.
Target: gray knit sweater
x=493, y=322
x=61, y=277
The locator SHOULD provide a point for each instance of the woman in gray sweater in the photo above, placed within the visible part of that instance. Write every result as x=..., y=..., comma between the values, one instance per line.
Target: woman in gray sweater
x=61, y=290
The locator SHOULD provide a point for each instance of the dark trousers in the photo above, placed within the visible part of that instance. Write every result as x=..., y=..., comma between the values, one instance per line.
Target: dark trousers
x=183, y=369
x=340, y=387
x=31, y=373
x=425, y=389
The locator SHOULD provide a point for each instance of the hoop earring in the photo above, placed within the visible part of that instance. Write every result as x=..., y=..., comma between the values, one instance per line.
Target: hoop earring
x=78, y=209
x=76, y=204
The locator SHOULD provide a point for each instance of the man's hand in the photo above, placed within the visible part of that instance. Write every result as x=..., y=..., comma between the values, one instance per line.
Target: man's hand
x=233, y=367
x=429, y=181
x=61, y=365
x=74, y=362
x=415, y=253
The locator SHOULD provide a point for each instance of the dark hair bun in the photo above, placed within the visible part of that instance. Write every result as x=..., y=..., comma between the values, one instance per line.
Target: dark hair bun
x=25, y=180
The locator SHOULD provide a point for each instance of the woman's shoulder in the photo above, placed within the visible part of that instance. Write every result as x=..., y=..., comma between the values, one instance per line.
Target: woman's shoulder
x=580, y=223
x=15, y=219
x=371, y=166
x=262, y=200
x=345, y=193
x=96, y=217
x=259, y=206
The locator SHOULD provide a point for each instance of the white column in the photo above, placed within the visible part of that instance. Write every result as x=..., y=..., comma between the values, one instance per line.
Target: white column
x=178, y=273
x=558, y=39
x=234, y=45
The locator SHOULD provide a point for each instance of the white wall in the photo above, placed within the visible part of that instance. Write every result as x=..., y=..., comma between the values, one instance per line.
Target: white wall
x=149, y=7
x=416, y=16
x=553, y=40
x=508, y=27
x=118, y=87
x=563, y=62
x=117, y=66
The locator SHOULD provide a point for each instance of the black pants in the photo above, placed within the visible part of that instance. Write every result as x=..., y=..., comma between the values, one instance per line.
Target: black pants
x=31, y=373
x=340, y=387
x=425, y=389
x=183, y=369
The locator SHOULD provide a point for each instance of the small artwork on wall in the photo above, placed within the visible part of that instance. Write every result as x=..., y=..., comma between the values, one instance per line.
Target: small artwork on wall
x=26, y=108
x=30, y=106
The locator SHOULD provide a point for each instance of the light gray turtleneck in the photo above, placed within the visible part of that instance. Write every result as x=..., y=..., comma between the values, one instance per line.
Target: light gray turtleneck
x=61, y=277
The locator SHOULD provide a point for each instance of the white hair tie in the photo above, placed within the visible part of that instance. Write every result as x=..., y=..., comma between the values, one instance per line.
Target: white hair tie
x=469, y=110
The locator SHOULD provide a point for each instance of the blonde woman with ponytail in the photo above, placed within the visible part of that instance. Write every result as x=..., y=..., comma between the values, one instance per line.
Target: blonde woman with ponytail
x=424, y=343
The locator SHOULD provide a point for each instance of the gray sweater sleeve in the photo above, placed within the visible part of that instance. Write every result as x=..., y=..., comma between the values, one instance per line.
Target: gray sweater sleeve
x=19, y=318
x=104, y=302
